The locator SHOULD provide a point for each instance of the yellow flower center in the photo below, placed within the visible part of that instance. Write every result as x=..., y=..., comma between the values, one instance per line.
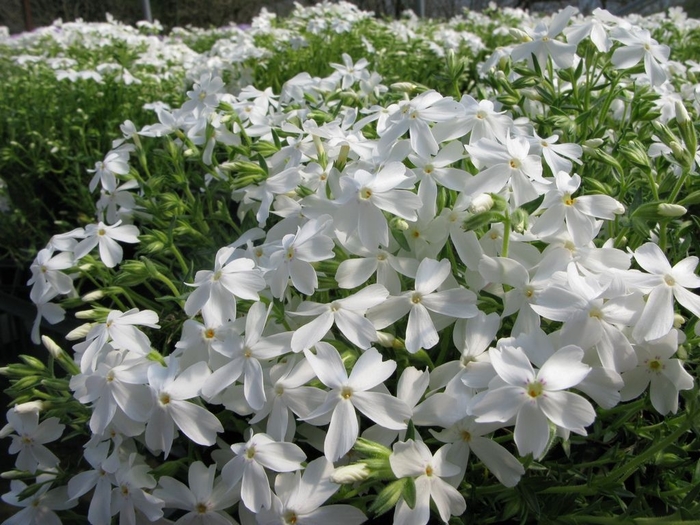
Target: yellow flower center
x=534, y=389
x=346, y=392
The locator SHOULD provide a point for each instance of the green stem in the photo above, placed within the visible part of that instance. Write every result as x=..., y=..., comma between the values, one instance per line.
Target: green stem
x=506, y=235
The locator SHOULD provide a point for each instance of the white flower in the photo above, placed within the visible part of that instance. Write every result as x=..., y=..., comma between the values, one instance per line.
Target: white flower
x=535, y=398
x=171, y=388
x=205, y=499
x=38, y=509
x=421, y=332
x=656, y=367
x=414, y=459
x=252, y=458
x=29, y=439
x=347, y=314
x=299, y=498
x=216, y=290
x=106, y=237
x=349, y=393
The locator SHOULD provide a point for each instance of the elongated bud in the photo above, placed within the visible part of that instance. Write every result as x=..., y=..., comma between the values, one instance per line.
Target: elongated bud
x=79, y=333
x=95, y=295
x=29, y=406
x=51, y=346
x=350, y=474
x=687, y=129
x=371, y=448
x=671, y=210
x=87, y=314
x=519, y=34
x=407, y=87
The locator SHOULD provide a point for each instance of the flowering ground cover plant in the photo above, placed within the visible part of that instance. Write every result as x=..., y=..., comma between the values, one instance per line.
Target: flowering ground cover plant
x=348, y=299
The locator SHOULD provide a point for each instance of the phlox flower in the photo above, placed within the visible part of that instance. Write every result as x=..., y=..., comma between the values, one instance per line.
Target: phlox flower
x=346, y=313
x=249, y=464
x=559, y=157
x=560, y=208
x=456, y=303
x=637, y=44
x=244, y=356
x=100, y=479
x=118, y=385
x=129, y=496
x=657, y=370
x=116, y=162
x=171, y=389
x=45, y=309
x=506, y=165
x=356, y=271
x=664, y=283
x=535, y=398
x=467, y=436
x=354, y=392
x=106, y=237
x=415, y=116
x=37, y=509
x=298, y=499
x=364, y=196
x=543, y=45
x=29, y=439
x=46, y=273
x=593, y=27
x=205, y=499
x=288, y=394
x=120, y=331
x=293, y=258
x=216, y=290
x=480, y=121
x=348, y=72
x=413, y=459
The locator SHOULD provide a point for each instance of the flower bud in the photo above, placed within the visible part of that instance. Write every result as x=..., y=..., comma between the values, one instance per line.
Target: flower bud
x=51, y=346
x=350, y=474
x=29, y=406
x=406, y=87
x=519, y=34
x=87, y=314
x=671, y=210
x=79, y=333
x=678, y=321
x=95, y=295
x=481, y=203
x=397, y=223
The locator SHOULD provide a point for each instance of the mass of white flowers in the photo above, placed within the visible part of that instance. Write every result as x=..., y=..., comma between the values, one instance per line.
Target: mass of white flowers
x=422, y=273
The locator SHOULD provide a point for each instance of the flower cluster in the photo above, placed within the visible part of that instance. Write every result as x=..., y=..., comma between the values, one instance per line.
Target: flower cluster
x=409, y=278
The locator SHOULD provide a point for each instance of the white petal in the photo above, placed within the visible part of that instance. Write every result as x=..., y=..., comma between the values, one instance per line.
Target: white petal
x=564, y=369
x=531, y=431
x=370, y=370
x=383, y=409
x=342, y=432
x=568, y=410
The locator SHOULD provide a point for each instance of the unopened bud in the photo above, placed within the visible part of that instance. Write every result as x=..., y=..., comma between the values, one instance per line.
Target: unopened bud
x=678, y=321
x=397, y=223
x=51, y=346
x=95, y=295
x=481, y=203
x=681, y=113
x=79, y=333
x=671, y=210
x=593, y=144
x=189, y=152
x=86, y=314
x=407, y=87
x=29, y=406
x=386, y=340
x=350, y=474
x=519, y=34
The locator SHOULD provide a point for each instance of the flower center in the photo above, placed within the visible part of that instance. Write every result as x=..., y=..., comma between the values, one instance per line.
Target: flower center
x=429, y=470
x=534, y=389
x=202, y=508
x=416, y=298
x=514, y=163
x=290, y=254
x=250, y=452
x=381, y=256
x=279, y=390
x=429, y=169
x=216, y=276
x=346, y=392
x=529, y=292
x=27, y=440
x=466, y=436
x=101, y=231
x=164, y=399
x=247, y=352
x=481, y=115
x=209, y=333
x=365, y=193
x=568, y=200
x=290, y=518
x=655, y=365
x=669, y=280
x=595, y=312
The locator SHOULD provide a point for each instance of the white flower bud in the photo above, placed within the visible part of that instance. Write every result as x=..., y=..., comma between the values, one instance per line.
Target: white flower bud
x=519, y=34
x=481, y=203
x=681, y=113
x=79, y=333
x=51, y=346
x=29, y=406
x=86, y=314
x=671, y=210
x=385, y=339
x=95, y=295
x=404, y=86
x=350, y=474
x=678, y=321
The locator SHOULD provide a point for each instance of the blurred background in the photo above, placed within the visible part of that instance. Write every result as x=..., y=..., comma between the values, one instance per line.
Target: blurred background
x=21, y=15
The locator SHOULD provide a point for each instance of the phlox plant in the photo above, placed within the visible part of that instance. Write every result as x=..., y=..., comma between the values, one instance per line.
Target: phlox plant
x=346, y=299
